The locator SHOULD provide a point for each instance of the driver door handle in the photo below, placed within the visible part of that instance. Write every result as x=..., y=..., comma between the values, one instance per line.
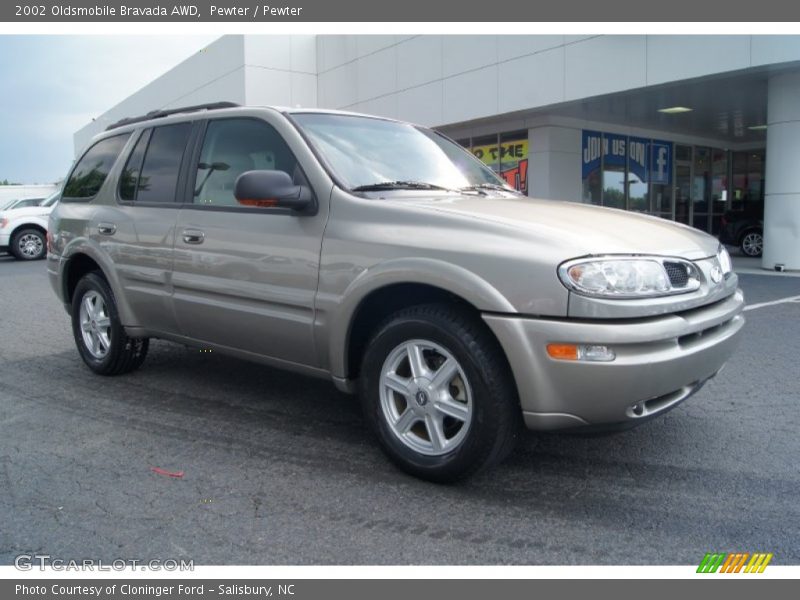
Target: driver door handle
x=106, y=228
x=193, y=236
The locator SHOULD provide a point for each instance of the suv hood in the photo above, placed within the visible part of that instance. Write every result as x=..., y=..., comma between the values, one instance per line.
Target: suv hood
x=583, y=228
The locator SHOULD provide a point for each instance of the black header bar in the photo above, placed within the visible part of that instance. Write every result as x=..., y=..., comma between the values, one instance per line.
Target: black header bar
x=449, y=11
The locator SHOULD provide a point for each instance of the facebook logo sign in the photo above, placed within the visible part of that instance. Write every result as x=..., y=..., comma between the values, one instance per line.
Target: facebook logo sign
x=660, y=162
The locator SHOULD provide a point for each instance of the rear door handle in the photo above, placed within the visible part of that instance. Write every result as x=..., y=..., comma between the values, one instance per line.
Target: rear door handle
x=193, y=236
x=106, y=228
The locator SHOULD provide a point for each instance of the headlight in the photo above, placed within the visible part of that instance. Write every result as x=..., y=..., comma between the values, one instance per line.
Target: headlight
x=629, y=277
x=724, y=259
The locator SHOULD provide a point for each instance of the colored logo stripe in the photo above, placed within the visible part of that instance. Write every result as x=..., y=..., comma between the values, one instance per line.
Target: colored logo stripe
x=758, y=563
x=733, y=562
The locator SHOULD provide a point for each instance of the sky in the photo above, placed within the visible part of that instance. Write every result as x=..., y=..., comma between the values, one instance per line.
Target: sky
x=51, y=86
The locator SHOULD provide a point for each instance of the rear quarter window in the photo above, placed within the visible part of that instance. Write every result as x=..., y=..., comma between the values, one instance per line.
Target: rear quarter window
x=92, y=169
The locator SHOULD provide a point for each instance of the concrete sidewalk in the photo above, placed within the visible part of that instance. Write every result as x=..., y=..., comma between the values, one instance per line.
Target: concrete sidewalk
x=746, y=265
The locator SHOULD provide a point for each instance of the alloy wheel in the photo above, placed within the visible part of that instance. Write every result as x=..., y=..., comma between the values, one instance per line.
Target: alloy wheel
x=30, y=245
x=425, y=397
x=753, y=244
x=95, y=324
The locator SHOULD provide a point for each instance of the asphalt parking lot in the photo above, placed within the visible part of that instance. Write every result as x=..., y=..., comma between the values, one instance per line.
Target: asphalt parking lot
x=278, y=468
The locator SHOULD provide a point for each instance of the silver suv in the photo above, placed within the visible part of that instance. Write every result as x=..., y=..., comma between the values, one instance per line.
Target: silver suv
x=384, y=257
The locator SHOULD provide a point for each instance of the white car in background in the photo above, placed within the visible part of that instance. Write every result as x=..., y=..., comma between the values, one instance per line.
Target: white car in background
x=20, y=203
x=23, y=231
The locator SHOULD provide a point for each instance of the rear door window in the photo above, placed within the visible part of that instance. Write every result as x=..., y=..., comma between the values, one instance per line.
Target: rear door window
x=92, y=169
x=156, y=181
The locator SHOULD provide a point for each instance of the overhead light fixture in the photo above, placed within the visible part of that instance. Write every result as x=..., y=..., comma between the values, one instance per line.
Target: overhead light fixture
x=757, y=127
x=674, y=110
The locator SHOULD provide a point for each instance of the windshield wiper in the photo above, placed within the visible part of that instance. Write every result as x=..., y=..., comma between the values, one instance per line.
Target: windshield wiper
x=485, y=186
x=399, y=185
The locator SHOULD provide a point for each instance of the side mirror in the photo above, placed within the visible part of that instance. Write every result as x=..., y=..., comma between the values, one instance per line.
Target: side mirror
x=271, y=188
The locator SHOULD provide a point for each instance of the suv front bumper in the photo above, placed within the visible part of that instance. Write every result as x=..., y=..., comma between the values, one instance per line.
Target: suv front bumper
x=659, y=363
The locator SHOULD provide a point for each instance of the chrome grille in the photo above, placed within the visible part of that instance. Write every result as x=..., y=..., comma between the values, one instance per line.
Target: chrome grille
x=678, y=273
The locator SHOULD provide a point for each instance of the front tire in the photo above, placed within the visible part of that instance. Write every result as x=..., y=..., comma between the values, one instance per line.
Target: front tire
x=437, y=391
x=28, y=244
x=100, y=337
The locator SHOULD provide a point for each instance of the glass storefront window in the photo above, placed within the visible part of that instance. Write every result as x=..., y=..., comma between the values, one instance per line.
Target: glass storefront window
x=701, y=187
x=591, y=173
x=661, y=196
x=514, y=159
x=719, y=187
x=506, y=154
x=755, y=176
x=747, y=186
x=683, y=185
x=638, y=157
x=614, y=162
x=485, y=149
x=661, y=182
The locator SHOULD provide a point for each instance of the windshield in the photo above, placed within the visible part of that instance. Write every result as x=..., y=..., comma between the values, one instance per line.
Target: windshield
x=365, y=152
x=23, y=203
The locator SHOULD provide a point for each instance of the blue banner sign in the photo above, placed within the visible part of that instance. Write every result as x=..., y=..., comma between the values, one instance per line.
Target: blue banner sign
x=614, y=148
x=661, y=162
x=648, y=160
x=592, y=149
x=638, y=150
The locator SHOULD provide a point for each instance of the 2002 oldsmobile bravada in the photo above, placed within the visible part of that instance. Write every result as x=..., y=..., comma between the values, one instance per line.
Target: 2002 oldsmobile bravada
x=385, y=257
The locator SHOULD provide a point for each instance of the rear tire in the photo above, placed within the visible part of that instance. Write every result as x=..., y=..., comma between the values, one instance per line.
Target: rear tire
x=752, y=243
x=437, y=391
x=28, y=244
x=100, y=337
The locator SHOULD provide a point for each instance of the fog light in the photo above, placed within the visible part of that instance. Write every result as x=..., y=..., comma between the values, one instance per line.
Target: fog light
x=585, y=352
x=596, y=353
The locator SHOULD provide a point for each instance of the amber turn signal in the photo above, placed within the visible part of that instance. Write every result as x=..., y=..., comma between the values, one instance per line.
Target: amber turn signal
x=563, y=351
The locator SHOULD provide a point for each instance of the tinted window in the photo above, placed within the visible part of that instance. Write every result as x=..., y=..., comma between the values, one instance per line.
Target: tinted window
x=162, y=160
x=92, y=170
x=233, y=146
x=130, y=174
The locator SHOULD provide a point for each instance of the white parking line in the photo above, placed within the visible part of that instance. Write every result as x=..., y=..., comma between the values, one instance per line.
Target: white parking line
x=773, y=302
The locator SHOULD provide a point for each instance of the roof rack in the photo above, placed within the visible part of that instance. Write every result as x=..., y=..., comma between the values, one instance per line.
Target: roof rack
x=158, y=114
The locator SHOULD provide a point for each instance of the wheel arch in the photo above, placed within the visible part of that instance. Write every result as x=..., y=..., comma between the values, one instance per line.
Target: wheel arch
x=396, y=285
x=82, y=258
x=749, y=229
x=27, y=225
x=23, y=227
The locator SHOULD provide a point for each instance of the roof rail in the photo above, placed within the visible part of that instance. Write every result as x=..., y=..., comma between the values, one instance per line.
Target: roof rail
x=158, y=114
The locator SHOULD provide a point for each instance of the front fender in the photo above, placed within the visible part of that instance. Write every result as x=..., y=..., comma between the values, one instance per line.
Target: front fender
x=341, y=309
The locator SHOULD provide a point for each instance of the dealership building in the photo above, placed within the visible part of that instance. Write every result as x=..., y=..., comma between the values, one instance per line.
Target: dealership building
x=686, y=128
